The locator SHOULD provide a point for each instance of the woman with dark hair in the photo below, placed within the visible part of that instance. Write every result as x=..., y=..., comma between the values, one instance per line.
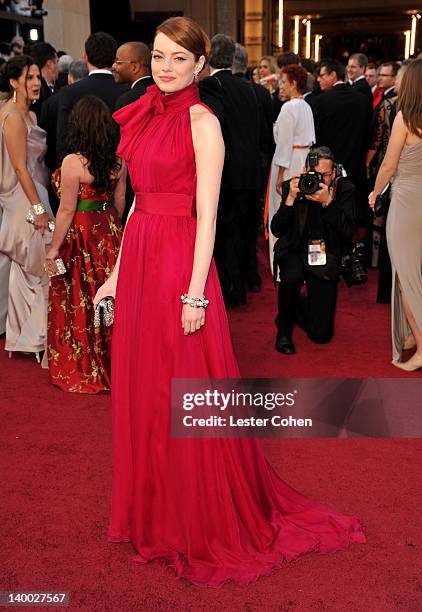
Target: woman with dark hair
x=294, y=133
x=214, y=510
x=23, y=180
x=403, y=161
x=91, y=185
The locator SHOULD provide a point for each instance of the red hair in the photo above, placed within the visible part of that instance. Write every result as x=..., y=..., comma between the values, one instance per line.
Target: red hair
x=297, y=73
x=188, y=34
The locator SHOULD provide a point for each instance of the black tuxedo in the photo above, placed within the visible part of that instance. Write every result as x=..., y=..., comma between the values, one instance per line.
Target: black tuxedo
x=48, y=122
x=240, y=125
x=102, y=85
x=362, y=87
x=45, y=93
x=236, y=105
x=138, y=90
x=310, y=98
x=265, y=107
x=342, y=122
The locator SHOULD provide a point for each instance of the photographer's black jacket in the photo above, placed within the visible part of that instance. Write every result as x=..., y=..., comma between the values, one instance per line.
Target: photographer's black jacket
x=291, y=224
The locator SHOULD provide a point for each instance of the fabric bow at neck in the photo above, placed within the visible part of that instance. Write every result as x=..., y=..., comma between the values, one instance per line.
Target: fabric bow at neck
x=157, y=100
x=161, y=103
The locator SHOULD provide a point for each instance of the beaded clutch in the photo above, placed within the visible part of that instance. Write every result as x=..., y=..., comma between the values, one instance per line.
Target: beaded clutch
x=60, y=267
x=104, y=312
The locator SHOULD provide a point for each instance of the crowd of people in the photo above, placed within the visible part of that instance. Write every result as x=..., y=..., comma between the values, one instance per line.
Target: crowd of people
x=187, y=153
x=284, y=122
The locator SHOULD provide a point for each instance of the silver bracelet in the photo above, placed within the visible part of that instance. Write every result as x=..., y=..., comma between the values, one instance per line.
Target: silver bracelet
x=195, y=302
x=38, y=209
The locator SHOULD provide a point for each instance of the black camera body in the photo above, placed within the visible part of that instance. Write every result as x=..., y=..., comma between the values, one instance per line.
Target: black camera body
x=309, y=181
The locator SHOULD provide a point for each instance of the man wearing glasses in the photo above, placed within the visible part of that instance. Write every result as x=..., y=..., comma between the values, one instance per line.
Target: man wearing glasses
x=132, y=66
x=314, y=232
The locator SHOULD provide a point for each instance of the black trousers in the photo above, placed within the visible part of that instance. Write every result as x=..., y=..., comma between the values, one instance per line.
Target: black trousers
x=235, y=242
x=316, y=312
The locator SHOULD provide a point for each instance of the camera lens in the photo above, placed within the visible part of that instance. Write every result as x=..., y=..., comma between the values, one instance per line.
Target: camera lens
x=309, y=183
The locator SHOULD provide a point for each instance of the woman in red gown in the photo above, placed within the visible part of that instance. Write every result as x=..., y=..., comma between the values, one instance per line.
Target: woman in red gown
x=91, y=186
x=213, y=509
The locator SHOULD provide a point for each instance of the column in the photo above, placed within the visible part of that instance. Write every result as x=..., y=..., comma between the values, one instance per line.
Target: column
x=67, y=25
x=254, y=30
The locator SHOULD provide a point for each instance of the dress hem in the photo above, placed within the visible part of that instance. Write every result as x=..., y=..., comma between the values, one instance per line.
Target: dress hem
x=263, y=564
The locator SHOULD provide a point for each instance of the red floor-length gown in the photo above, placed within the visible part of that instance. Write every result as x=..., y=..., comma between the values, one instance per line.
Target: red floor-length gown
x=213, y=509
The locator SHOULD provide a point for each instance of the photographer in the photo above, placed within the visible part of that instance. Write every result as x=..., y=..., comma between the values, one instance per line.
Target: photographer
x=314, y=230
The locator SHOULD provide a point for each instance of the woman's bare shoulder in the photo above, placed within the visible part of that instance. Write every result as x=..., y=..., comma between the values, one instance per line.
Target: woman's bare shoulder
x=203, y=119
x=13, y=117
x=73, y=164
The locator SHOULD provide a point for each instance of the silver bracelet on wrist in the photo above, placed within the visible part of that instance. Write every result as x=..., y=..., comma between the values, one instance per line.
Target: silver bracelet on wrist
x=38, y=209
x=195, y=302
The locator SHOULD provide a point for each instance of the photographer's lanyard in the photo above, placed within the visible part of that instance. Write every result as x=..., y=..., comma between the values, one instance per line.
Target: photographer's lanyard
x=317, y=255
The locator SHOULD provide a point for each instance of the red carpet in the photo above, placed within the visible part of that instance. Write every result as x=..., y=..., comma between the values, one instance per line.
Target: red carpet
x=55, y=455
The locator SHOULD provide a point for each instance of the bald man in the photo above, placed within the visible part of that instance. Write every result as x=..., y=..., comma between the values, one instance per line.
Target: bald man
x=133, y=67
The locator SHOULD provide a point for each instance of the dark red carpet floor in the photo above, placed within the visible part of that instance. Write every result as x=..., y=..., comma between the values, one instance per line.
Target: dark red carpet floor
x=55, y=459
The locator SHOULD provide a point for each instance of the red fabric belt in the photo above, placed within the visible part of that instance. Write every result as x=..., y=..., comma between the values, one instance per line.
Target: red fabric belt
x=175, y=204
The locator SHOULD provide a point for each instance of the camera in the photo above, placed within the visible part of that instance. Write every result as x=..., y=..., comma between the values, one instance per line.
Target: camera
x=352, y=267
x=309, y=181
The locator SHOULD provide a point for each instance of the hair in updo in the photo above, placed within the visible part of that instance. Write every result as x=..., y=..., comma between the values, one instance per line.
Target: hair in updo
x=13, y=69
x=188, y=34
x=296, y=73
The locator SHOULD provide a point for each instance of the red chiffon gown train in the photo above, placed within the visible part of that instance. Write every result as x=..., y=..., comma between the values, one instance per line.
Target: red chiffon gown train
x=213, y=509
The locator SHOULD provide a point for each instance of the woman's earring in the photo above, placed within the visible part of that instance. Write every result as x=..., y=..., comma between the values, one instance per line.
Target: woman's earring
x=195, y=76
x=14, y=96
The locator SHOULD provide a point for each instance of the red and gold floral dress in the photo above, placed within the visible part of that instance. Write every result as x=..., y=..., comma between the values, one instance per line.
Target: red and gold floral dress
x=79, y=353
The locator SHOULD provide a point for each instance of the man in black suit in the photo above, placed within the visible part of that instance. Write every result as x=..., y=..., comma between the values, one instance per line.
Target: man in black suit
x=50, y=112
x=45, y=56
x=238, y=112
x=48, y=121
x=342, y=122
x=356, y=68
x=100, y=51
x=132, y=67
x=266, y=150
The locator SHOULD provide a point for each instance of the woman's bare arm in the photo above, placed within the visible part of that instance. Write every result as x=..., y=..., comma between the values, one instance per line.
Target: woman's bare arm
x=209, y=157
x=120, y=191
x=15, y=133
x=70, y=178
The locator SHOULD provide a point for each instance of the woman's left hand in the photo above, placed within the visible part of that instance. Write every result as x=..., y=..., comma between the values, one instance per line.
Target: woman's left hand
x=192, y=319
x=50, y=264
x=371, y=199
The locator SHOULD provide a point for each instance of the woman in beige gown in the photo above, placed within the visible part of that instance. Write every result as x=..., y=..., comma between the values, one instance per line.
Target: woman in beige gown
x=23, y=181
x=403, y=160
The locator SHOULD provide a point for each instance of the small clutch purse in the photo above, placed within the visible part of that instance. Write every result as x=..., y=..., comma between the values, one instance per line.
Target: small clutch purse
x=382, y=202
x=104, y=312
x=61, y=268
